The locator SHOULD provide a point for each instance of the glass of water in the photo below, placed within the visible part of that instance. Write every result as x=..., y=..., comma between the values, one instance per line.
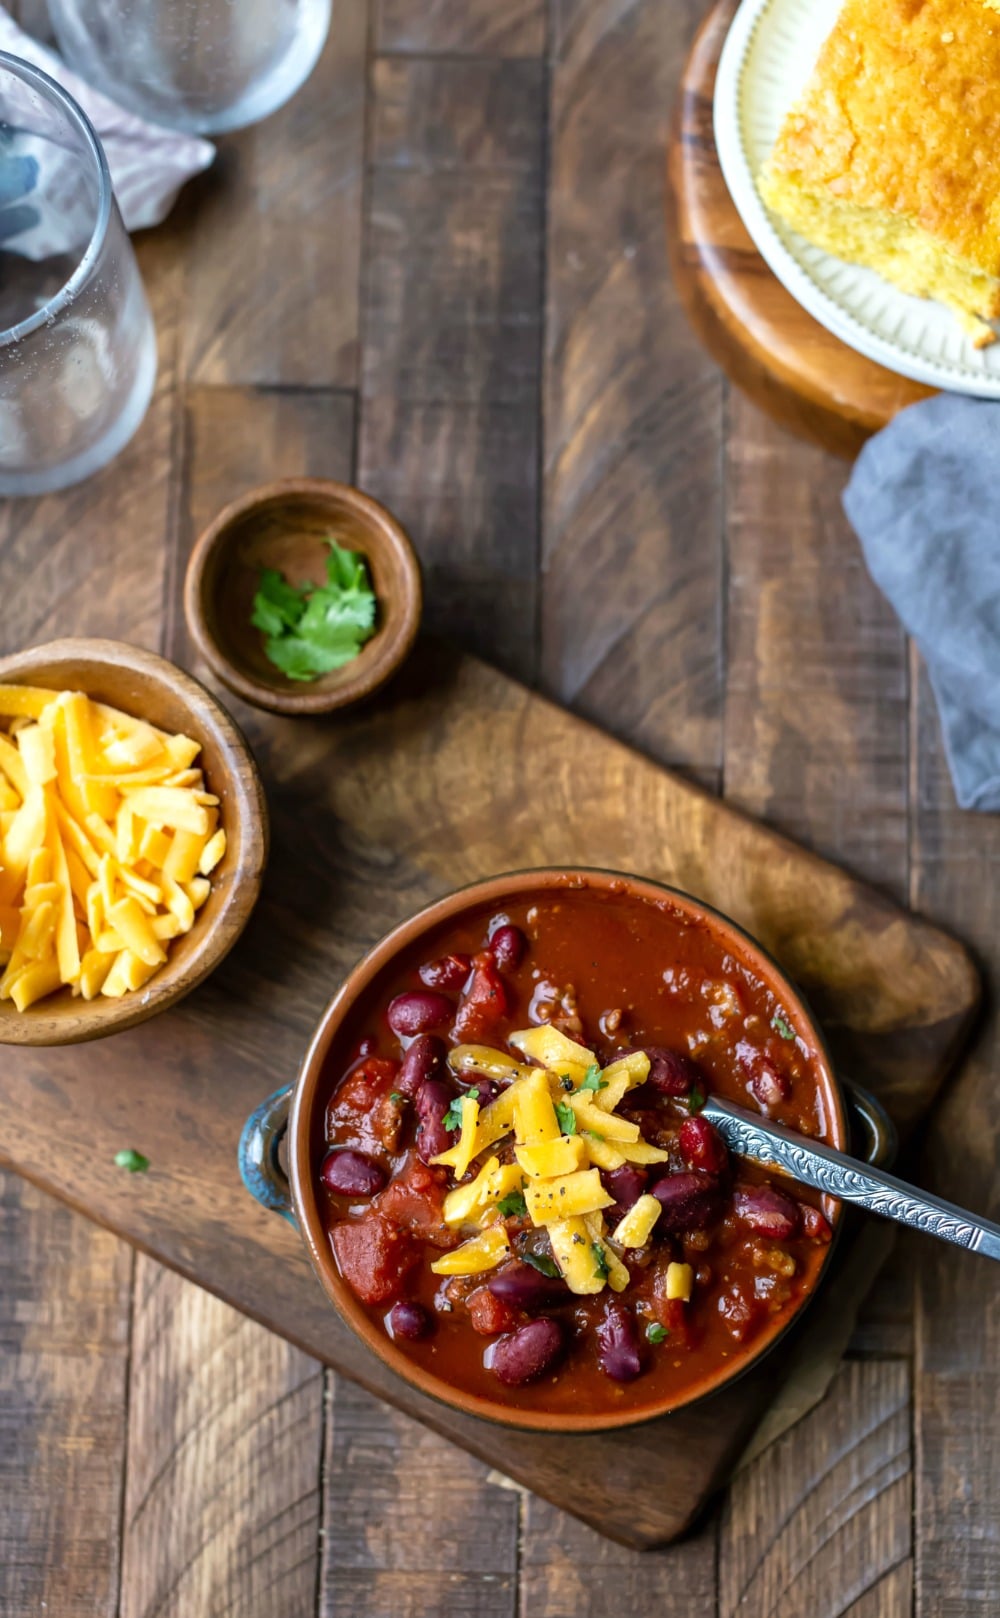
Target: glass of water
x=200, y=65
x=77, y=345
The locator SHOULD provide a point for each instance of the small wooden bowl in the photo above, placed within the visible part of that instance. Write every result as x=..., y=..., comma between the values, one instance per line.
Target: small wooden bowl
x=147, y=686
x=283, y=526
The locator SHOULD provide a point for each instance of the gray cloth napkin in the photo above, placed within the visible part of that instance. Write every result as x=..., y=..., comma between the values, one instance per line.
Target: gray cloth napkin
x=924, y=498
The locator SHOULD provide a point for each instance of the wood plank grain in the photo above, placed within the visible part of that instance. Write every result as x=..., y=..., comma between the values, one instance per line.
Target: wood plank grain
x=452, y=320
x=816, y=701
x=956, y=863
x=64, y=1297
x=412, y=1526
x=70, y=562
x=820, y=1524
x=632, y=553
x=274, y=233
x=569, y=1571
x=224, y=1447
x=461, y=27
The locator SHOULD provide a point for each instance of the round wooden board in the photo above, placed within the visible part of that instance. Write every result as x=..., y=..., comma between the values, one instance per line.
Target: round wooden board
x=789, y=364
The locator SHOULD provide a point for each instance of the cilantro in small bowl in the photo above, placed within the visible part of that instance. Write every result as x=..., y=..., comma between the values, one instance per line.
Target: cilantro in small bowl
x=311, y=629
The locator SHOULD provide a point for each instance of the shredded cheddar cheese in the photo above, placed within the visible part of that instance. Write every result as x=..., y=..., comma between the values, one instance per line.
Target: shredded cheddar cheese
x=108, y=839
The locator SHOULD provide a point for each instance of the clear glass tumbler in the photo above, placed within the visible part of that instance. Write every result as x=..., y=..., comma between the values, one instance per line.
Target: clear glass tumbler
x=77, y=345
x=200, y=65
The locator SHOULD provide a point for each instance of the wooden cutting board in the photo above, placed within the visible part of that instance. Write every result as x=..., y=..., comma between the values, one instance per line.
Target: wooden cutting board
x=456, y=773
x=786, y=361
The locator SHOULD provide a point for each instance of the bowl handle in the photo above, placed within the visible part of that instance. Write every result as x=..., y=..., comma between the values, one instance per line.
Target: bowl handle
x=880, y=1142
x=260, y=1167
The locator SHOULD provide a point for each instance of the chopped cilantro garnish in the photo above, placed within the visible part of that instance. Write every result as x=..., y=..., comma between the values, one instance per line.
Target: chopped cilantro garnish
x=313, y=629
x=592, y=1079
x=396, y=1095
x=695, y=1099
x=453, y=1117
x=131, y=1160
x=567, y=1117
x=656, y=1333
x=543, y=1264
x=600, y=1260
x=593, y=1134
x=513, y=1205
x=781, y=1026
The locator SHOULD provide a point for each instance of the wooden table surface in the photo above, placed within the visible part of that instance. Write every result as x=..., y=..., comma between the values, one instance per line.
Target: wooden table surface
x=442, y=270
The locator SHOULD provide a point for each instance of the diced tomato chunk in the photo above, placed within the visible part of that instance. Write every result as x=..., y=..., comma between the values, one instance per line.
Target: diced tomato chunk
x=415, y=1200
x=374, y=1256
x=359, y=1091
x=484, y=1004
x=489, y=1315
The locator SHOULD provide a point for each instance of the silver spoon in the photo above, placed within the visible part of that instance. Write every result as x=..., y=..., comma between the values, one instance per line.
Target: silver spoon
x=750, y=1135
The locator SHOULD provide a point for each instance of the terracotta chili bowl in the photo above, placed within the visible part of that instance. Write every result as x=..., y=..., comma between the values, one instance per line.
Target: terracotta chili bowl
x=606, y=904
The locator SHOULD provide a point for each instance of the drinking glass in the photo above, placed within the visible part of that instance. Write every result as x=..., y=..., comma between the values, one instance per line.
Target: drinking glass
x=200, y=65
x=77, y=345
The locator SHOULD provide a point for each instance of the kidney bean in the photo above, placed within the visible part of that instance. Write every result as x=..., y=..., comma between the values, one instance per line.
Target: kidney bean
x=764, y=1081
x=702, y=1146
x=508, y=947
x=671, y=1072
x=528, y=1352
x=766, y=1210
x=352, y=1174
x=689, y=1201
x=418, y=1011
x=423, y=1060
x=618, y=1344
x=433, y=1100
x=815, y=1225
x=410, y=1320
x=448, y=972
x=527, y=1288
x=626, y=1184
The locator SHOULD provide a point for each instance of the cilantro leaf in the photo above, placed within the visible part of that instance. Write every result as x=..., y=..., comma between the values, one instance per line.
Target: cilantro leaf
x=656, y=1333
x=277, y=605
x=592, y=1079
x=600, y=1260
x=566, y=1117
x=345, y=570
x=781, y=1026
x=453, y=1117
x=543, y=1264
x=314, y=629
x=513, y=1205
x=396, y=1095
x=695, y=1099
x=132, y=1160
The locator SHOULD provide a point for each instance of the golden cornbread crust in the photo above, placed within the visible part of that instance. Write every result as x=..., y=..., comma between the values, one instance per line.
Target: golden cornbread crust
x=892, y=156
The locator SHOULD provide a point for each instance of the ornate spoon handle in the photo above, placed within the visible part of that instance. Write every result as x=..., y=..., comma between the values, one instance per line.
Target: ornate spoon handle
x=814, y=1164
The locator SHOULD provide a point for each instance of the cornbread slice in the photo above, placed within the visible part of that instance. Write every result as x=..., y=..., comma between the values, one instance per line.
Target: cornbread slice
x=891, y=158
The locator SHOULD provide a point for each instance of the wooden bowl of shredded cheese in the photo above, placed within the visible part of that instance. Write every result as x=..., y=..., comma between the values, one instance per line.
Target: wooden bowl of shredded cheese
x=133, y=839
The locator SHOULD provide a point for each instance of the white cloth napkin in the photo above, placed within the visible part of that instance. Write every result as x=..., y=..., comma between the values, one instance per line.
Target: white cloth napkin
x=148, y=164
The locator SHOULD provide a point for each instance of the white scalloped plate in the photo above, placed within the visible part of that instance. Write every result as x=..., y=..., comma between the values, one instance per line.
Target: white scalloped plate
x=767, y=58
